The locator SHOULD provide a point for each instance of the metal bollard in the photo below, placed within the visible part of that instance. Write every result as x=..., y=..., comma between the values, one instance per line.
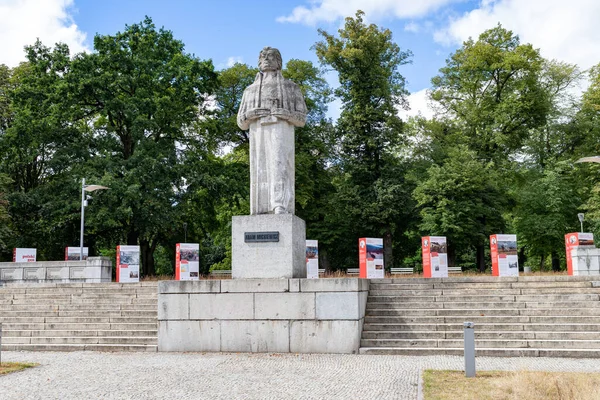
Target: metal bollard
x=469, y=328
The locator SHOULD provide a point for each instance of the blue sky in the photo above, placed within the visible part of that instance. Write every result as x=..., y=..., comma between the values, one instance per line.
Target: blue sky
x=236, y=30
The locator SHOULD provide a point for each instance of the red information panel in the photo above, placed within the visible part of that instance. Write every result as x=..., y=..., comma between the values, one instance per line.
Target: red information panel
x=187, y=261
x=128, y=264
x=435, y=256
x=505, y=261
x=573, y=240
x=370, y=258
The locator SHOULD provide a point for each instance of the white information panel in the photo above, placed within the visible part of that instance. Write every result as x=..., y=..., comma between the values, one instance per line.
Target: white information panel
x=128, y=264
x=72, y=253
x=24, y=255
x=312, y=259
x=187, y=261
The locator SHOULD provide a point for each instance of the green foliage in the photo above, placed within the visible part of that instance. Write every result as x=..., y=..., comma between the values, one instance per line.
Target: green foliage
x=492, y=87
x=461, y=199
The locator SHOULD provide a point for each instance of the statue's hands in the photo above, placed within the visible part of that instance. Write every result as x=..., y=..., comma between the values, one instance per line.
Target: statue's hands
x=258, y=113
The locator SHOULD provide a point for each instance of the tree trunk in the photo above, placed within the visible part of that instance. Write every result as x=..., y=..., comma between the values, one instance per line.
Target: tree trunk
x=542, y=261
x=324, y=261
x=147, y=255
x=555, y=261
x=451, y=256
x=481, y=258
x=522, y=258
x=388, y=252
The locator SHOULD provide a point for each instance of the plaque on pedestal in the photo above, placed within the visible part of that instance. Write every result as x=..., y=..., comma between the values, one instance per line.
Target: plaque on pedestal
x=268, y=246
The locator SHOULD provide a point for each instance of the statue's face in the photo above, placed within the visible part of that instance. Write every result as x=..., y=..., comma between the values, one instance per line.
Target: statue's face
x=269, y=60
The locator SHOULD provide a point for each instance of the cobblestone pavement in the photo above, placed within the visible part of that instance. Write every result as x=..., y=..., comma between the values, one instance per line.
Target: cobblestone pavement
x=92, y=375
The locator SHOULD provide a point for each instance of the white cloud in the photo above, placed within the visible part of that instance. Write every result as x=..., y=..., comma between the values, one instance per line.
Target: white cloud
x=419, y=106
x=332, y=10
x=567, y=31
x=231, y=61
x=23, y=21
x=412, y=27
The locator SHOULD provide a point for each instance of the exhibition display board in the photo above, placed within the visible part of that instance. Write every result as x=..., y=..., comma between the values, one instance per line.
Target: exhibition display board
x=72, y=253
x=312, y=259
x=435, y=256
x=505, y=261
x=573, y=240
x=24, y=255
x=128, y=264
x=187, y=261
x=370, y=258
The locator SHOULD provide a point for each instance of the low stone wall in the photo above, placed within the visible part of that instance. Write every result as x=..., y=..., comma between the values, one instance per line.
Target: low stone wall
x=586, y=261
x=92, y=270
x=262, y=315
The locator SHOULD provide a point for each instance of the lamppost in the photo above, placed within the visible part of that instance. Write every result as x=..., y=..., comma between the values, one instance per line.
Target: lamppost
x=85, y=188
x=580, y=217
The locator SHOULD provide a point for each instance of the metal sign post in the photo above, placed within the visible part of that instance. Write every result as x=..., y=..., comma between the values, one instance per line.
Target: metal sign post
x=469, y=328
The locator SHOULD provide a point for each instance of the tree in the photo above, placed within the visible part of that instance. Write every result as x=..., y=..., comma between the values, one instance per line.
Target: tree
x=142, y=93
x=370, y=198
x=462, y=199
x=547, y=204
x=492, y=88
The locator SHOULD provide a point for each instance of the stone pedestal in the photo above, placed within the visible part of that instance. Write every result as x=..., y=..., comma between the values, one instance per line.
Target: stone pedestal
x=586, y=260
x=285, y=258
x=262, y=315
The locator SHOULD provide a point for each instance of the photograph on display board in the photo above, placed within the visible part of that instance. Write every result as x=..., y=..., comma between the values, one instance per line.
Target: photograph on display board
x=312, y=252
x=508, y=247
x=129, y=257
x=374, y=251
x=190, y=254
x=585, y=241
x=438, y=247
x=73, y=253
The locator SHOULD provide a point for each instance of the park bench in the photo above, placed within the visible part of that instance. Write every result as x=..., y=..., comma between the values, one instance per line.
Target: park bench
x=352, y=271
x=454, y=270
x=402, y=270
x=321, y=271
x=221, y=272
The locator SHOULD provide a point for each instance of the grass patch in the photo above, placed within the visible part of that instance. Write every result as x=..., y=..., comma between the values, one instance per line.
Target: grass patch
x=501, y=385
x=8, y=367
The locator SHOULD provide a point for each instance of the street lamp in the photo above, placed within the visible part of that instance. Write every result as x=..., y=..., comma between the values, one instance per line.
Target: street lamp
x=85, y=188
x=580, y=216
x=595, y=159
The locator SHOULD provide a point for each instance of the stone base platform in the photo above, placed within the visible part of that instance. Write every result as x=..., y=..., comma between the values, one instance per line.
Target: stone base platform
x=92, y=270
x=283, y=258
x=262, y=315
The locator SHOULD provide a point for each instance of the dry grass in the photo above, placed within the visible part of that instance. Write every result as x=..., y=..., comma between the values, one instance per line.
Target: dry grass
x=521, y=385
x=8, y=367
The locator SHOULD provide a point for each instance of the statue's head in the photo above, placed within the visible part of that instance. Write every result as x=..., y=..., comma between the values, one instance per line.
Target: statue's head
x=269, y=59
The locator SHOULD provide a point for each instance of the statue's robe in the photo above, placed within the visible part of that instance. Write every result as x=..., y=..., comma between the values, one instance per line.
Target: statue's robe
x=271, y=107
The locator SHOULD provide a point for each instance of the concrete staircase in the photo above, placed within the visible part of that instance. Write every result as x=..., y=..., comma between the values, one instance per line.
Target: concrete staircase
x=79, y=316
x=545, y=316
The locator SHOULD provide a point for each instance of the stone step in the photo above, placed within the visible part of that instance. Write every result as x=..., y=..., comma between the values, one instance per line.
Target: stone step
x=78, y=313
x=459, y=335
x=87, y=301
x=574, y=327
x=79, y=347
x=595, y=311
x=485, y=298
x=135, y=340
x=75, y=307
x=80, y=326
x=78, y=333
x=76, y=320
x=483, y=352
x=483, y=343
x=476, y=305
x=495, y=319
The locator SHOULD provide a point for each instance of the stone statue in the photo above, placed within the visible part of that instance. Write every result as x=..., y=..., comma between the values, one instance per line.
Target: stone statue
x=271, y=107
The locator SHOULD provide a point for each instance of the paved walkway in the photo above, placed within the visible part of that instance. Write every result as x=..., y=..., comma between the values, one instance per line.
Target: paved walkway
x=91, y=375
